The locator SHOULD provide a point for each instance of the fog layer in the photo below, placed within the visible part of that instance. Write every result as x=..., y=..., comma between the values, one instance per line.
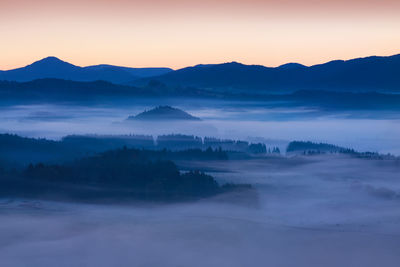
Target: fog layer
x=363, y=131
x=311, y=211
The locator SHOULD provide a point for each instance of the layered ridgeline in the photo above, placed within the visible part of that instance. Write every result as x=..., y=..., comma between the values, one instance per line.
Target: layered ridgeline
x=16, y=150
x=381, y=74
x=79, y=168
x=52, y=67
x=71, y=170
x=365, y=83
x=105, y=169
x=163, y=113
x=55, y=90
x=362, y=74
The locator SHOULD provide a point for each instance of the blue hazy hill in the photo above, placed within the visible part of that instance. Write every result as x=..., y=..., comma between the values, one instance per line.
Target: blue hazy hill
x=164, y=113
x=52, y=67
x=380, y=74
x=56, y=90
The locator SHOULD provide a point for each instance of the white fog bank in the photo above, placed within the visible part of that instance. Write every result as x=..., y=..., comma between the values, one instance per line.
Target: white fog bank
x=377, y=133
x=315, y=211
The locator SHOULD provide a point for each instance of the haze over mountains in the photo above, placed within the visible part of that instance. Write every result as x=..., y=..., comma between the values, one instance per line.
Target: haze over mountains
x=380, y=74
x=52, y=67
x=363, y=74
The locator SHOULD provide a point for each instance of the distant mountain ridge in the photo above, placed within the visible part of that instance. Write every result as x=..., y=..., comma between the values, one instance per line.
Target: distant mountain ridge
x=56, y=90
x=381, y=74
x=52, y=67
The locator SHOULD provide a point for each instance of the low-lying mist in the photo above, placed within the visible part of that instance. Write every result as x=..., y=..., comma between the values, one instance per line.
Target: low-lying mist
x=327, y=210
x=250, y=121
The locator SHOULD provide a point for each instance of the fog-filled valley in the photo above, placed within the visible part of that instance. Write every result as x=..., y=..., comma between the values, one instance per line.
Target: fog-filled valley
x=287, y=166
x=272, y=123
x=305, y=203
x=329, y=210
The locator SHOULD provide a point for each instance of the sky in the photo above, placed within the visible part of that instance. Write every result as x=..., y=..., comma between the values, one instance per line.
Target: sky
x=179, y=33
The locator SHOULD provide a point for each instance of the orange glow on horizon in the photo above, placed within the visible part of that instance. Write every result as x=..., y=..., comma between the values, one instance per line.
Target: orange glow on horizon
x=178, y=33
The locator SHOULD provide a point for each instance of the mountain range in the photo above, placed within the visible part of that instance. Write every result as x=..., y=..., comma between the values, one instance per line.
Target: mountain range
x=380, y=74
x=363, y=74
x=52, y=67
x=56, y=90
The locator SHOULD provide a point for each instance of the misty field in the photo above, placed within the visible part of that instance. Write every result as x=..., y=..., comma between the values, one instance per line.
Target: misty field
x=325, y=210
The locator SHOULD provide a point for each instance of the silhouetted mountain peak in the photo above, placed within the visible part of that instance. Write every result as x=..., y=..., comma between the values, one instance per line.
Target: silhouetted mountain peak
x=53, y=67
x=203, y=65
x=50, y=65
x=51, y=61
x=234, y=63
x=164, y=113
x=291, y=66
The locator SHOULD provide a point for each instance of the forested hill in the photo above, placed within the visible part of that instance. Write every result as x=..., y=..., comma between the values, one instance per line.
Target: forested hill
x=118, y=175
x=17, y=151
x=164, y=113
